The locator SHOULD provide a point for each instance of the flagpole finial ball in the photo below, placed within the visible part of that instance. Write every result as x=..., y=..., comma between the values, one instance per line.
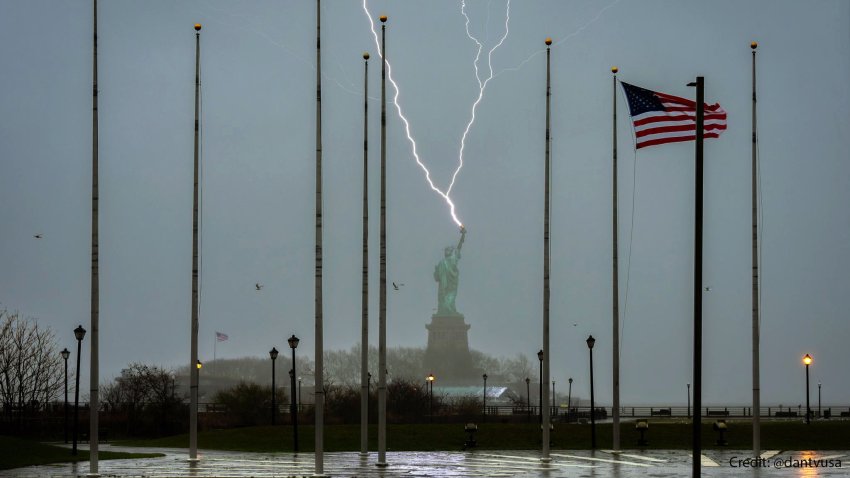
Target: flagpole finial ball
x=548, y=40
x=754, y=45
x=383, y=18
x=614, y=70
x=365, y=55
x=197, y=27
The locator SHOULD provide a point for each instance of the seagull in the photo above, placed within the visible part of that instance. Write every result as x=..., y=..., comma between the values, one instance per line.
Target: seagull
x=708, y=289
x=396, y=286
x=38, y=236
x=258, y=286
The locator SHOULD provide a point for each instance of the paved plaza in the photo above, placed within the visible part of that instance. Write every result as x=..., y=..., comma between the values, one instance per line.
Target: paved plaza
x=519, y=464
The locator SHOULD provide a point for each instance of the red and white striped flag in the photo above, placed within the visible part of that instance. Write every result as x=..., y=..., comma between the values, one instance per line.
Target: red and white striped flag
x=661, y=118
x=220, y=336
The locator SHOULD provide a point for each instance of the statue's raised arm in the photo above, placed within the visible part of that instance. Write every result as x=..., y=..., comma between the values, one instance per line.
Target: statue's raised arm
x=462, y=237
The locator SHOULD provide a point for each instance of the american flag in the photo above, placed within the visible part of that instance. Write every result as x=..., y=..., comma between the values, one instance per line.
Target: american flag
x=661, y=118
x=220, y=336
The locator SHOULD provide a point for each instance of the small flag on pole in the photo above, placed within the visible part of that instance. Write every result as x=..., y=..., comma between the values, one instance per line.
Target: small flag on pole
x=220, y=336
x=661, y=118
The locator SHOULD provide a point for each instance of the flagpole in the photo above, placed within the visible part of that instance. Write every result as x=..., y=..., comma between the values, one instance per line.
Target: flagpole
x=615, y=282
x=382, y=308
x=193, y=363
x=544, y=411
x=698, y=191
x=319, y=339
x=756, y=311
x=364, y=301
x=94, y=379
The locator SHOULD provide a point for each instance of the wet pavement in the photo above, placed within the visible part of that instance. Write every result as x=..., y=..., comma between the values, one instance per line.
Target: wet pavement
x=519, y=464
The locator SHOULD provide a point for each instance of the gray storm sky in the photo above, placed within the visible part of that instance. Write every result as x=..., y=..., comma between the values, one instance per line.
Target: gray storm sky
x=258, y=177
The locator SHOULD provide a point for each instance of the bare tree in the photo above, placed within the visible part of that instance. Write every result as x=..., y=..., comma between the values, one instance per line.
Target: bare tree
x=30, y=364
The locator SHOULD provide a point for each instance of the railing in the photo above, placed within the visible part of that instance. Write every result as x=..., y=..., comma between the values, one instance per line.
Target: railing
x=577, y=413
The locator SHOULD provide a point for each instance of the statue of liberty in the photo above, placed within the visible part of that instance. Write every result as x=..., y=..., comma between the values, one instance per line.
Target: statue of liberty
x=446, y=274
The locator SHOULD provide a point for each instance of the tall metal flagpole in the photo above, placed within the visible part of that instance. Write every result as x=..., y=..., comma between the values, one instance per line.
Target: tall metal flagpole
x=319, y=359
x=615, y=284
x=364, y=301
x=94, y=379
x=544, y=399
x=697, y=421
x=193, y=361
x=756, y=385
x=382, y=308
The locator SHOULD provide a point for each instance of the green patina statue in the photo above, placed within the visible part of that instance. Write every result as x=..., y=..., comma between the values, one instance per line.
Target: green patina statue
x=446, y=274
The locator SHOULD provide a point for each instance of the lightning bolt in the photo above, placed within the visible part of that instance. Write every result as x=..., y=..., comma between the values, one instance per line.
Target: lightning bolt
x=395, y=101
x=482, y=85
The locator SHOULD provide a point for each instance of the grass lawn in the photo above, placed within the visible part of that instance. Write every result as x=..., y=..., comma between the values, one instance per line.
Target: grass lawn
x=16, y=452
x=662, y=434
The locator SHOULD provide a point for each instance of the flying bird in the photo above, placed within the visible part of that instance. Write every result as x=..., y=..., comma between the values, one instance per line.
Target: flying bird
x=708, y=289
x=396, y=286
x=38, y=236
x=258, y=286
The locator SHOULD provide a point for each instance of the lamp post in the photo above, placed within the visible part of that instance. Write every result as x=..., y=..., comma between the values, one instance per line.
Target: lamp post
x=485, y=395
x=528, y=396
x=819, y=400
x=293, y=344
x=273, y=354
x=429, y=380
x=65, y=354
x=540, y=386
x=79, y=333
x=569, y=394
x=299, y=394
x=553, y=395
x=590, y=342
x=807, y=360
x=689, y=400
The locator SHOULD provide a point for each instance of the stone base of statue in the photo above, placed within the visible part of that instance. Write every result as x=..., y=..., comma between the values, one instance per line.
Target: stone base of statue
x=447, y=355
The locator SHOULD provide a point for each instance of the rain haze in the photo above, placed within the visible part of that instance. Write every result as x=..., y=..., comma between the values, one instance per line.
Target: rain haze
x=258, y=156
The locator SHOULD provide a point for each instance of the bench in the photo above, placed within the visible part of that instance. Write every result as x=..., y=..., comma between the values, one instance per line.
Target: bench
x=665, y=412
x=718, y=413
x=785, y=414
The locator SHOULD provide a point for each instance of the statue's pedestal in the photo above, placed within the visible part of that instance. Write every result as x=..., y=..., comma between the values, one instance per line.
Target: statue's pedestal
x=447, y=355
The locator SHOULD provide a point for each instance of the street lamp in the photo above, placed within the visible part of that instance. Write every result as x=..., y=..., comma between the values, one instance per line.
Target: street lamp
x=299, y=394
x=590, y=342
x=273, y=354
x=199, y=364
x=819, y=400
x=540, y=387
x=528, y=396
x=65, y=354
x=293, y=344
x=485, y=396
x=79, y=333
x=553, y=396
x=430, y=382
x=689, y=400
x=569, y=395
x=807, y=360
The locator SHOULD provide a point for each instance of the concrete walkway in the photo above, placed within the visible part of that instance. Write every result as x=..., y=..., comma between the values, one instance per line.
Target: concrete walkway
x=519, y=464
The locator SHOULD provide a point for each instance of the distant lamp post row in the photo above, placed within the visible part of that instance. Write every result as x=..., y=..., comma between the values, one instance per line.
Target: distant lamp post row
x=294, y=403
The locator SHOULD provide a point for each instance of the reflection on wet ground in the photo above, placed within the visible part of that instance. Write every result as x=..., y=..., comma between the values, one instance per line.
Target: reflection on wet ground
x=519, y=464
